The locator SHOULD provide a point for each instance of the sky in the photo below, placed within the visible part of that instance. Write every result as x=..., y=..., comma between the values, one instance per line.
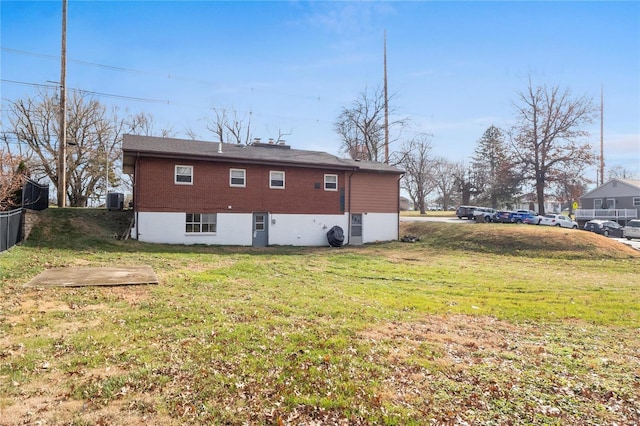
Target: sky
x=454, y=68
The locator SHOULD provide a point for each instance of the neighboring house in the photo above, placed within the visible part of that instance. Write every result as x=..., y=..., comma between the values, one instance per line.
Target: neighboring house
x=405, y=204
x=616, y=199
x=194, y=192
x=530, y=202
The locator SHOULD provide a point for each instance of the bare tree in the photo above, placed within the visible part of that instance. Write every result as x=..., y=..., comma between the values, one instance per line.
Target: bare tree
x=619, y=172
x=443, y=174
x=93, y=138
x=229, y=127
x=361, y=127
x=12, y=176
x=144, y=124
x=414, y=158
x=548, y=136
x=570, y=185
x=466, y=183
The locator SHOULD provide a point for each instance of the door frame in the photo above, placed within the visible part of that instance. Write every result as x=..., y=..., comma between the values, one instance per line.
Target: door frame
x=355, y=238
x=260, y=237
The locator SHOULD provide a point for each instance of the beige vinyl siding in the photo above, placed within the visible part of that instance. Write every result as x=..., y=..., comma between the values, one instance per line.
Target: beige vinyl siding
x=374, y=192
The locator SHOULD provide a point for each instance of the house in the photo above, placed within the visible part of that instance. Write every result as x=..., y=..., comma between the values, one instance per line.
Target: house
x=529, y=201
x=616, y=199
x=196, y=192
x=405, y=204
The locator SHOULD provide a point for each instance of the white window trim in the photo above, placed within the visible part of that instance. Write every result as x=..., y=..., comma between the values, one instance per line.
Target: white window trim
x=595, y=204
x=192, y=233
x=636, y=201
x=244, y=178
x=325, y=182
x=271, y=172
x=175, y=175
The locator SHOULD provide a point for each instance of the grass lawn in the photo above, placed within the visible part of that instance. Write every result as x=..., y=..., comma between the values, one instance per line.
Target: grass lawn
x=474, y=324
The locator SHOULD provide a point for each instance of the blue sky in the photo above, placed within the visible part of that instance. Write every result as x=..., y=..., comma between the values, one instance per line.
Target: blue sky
x=454, y=68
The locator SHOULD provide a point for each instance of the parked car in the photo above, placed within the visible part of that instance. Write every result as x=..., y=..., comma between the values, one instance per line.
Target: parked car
x=505, y=216
x=604, y=227
x=487, y=212
x=558, y=220
x=465, y=211
x=528, y=216
x=632, y=229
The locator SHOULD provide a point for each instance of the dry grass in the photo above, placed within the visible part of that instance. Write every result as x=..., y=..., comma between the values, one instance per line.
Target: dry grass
x=475, y=324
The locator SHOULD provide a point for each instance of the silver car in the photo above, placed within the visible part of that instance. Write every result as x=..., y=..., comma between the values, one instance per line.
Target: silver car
x=631, y=229
x=558, y=220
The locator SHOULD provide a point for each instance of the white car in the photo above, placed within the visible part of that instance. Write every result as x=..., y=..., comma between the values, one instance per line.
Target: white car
x=558, y=220
x=486, y=212
x=631, y=229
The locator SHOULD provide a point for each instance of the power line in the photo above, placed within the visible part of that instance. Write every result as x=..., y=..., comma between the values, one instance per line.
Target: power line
x=107, y=67
x=108, y=95
x=168, y=76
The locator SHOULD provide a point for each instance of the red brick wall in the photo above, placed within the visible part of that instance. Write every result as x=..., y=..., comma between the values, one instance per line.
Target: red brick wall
x=156, y=191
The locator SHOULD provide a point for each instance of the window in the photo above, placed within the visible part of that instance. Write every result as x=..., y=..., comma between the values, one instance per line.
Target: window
x=184, y=175
x=200, y=222
x=330, y=182
x=636, y=201
x=276, y=180
x=259, y=222
x=238, y=177
x=597, y=203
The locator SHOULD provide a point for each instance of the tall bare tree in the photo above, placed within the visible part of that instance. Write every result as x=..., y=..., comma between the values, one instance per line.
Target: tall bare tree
x=414, y=158
x=443, y=174
x=93, y=137
x=467, y=183
x=549, y=135
x=230, y=127
x=361, y=127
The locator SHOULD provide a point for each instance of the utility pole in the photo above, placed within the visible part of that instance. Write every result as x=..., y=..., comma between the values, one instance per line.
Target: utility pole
x=62, y=143
x=601, y=135
x=386, y=104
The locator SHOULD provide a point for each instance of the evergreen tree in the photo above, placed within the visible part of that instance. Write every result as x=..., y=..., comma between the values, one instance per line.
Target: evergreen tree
x=496, y=180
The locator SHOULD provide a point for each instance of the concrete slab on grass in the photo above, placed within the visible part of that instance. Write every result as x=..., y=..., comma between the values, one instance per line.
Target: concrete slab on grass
x=84, y=277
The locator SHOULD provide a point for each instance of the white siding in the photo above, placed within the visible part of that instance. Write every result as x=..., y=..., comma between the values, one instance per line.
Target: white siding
x=379, y=227
x=304, y=229
x=169, y=228
x=284, y=229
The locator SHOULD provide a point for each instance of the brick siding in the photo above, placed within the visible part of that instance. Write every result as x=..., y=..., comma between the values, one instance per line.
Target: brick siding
x=211, y=193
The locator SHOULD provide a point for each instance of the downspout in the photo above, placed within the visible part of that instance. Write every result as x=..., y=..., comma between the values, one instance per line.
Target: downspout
x=349, y=206
x=135, y=197
x=400, y=176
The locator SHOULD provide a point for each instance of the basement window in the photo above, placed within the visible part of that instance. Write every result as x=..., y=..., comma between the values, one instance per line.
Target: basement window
x=183, y=175
x=200, y=223
x=276, y=179
x=330, y=182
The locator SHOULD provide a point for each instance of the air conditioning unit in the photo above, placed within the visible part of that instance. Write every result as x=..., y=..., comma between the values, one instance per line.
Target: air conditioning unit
x=115, y=201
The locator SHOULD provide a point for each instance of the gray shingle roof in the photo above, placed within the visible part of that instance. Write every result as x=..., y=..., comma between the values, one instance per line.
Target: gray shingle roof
x=133, y=145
